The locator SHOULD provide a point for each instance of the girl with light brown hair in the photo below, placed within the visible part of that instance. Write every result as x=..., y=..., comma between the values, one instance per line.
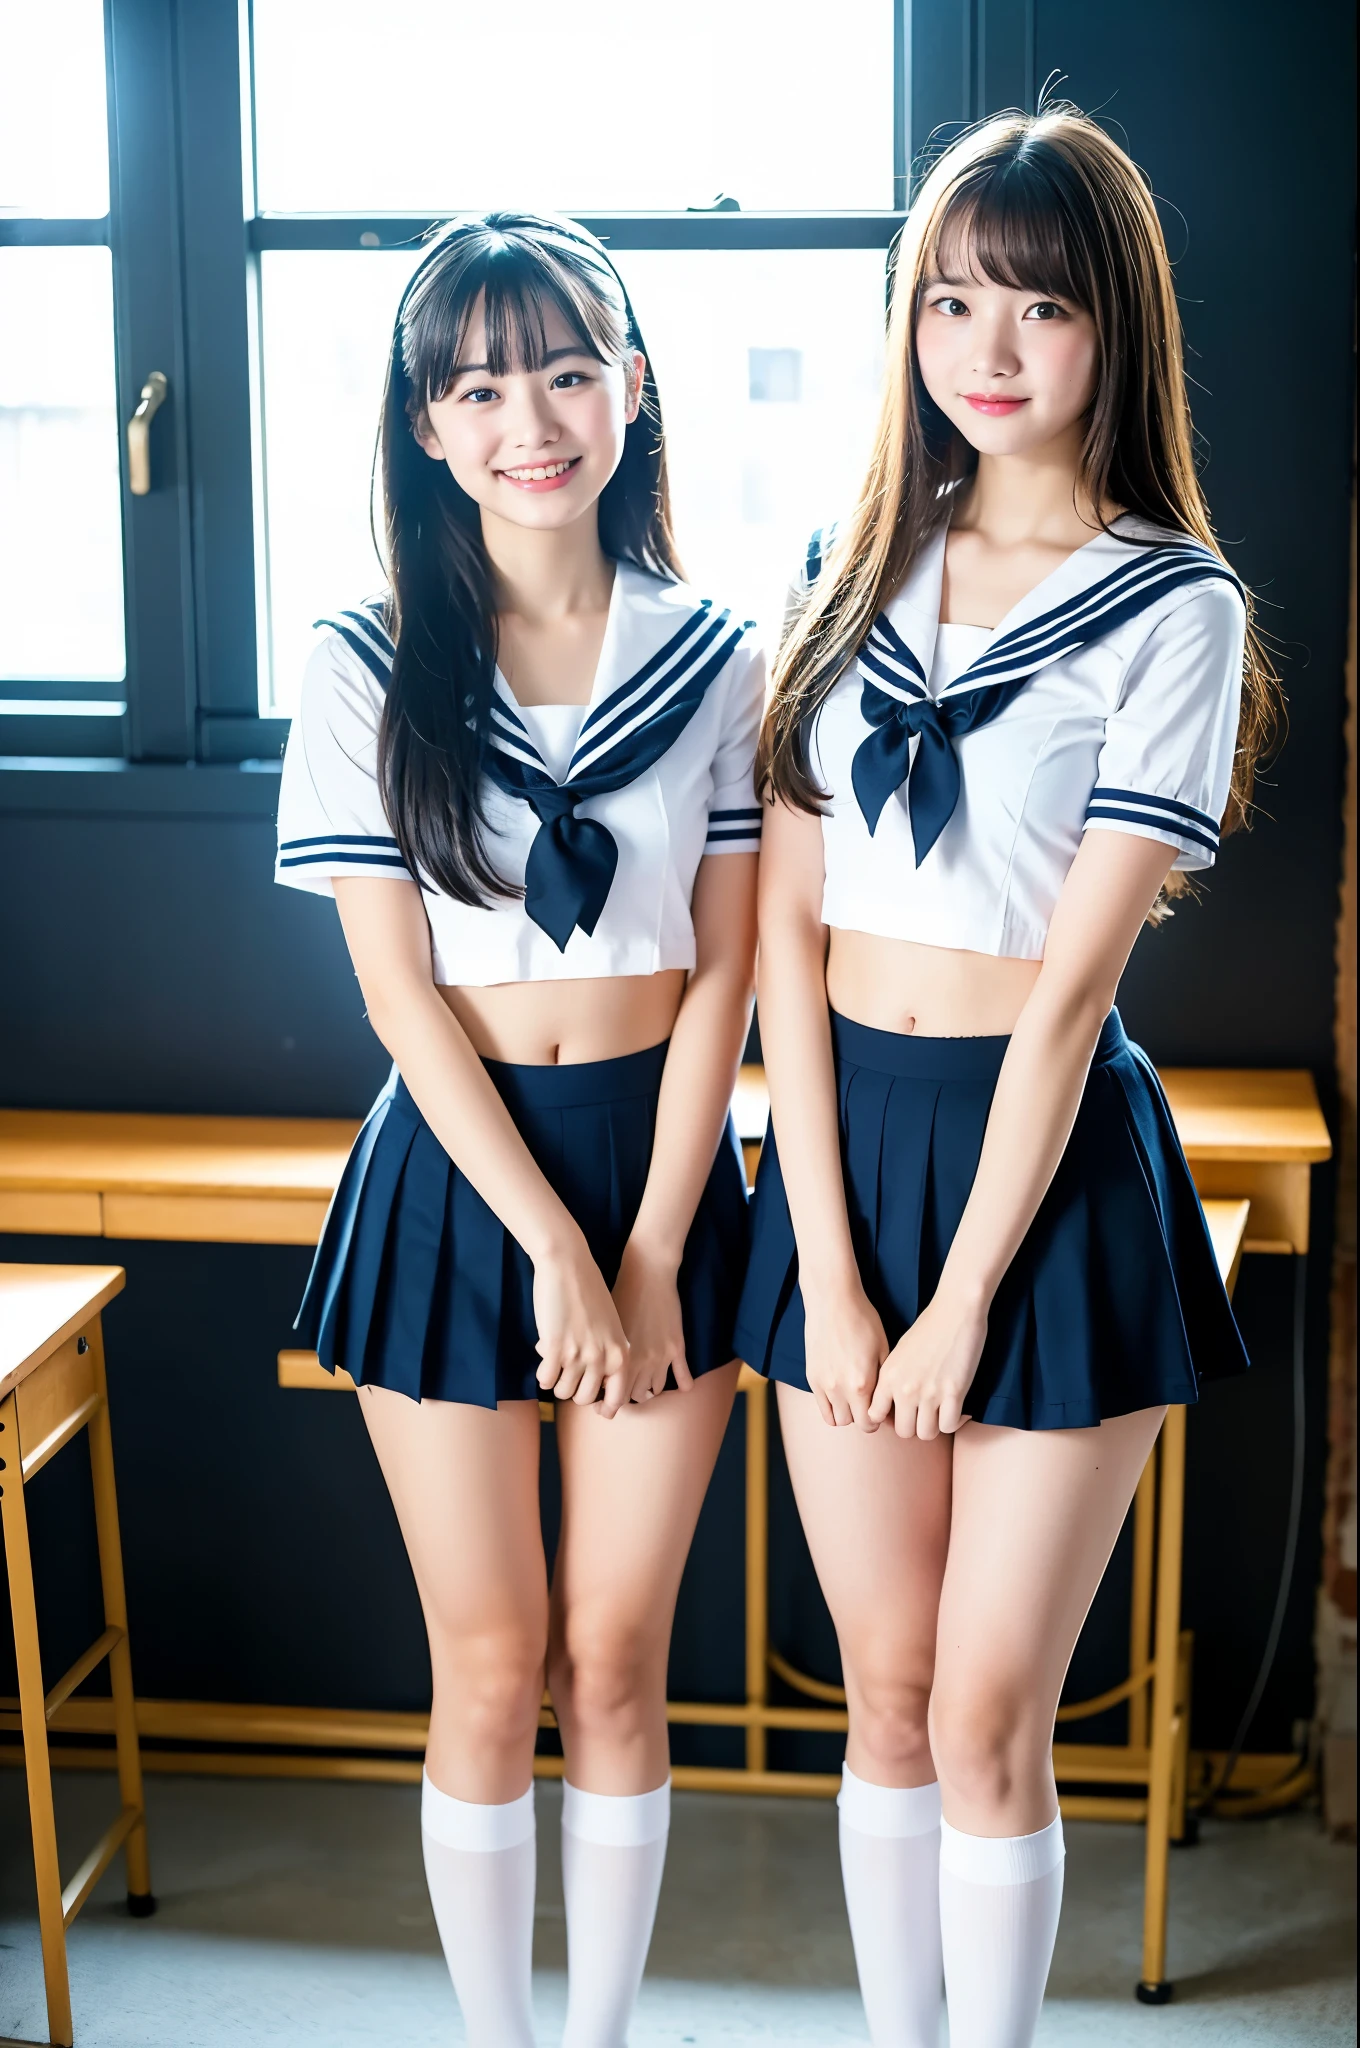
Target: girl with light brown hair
x=1020, y=699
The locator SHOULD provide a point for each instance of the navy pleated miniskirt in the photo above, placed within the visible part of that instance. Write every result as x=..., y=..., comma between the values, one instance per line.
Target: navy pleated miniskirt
x=417, y=1285
x=1113, y=1301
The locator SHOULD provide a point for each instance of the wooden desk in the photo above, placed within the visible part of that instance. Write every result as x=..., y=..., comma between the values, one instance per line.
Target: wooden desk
x=52, y=1386
x=204, y=1179
x=1252, y=1132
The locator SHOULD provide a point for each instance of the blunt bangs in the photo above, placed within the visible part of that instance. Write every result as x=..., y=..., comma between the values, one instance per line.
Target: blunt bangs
x=519, y=282
x=528, y=270
x=1017, y=222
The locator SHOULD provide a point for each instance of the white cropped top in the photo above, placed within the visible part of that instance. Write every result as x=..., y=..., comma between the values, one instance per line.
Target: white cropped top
x=600, y=813
x=963, y=765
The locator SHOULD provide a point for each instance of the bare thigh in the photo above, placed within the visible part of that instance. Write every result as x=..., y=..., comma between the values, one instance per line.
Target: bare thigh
x=1036, y=1515
x=464, y=1482
x=875, y=1509
x=632, y=1489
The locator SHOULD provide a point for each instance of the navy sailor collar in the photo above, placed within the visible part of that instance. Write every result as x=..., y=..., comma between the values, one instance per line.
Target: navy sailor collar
x=1134, y=551
x=912, y=736
x=662, y=649
x=654, y=637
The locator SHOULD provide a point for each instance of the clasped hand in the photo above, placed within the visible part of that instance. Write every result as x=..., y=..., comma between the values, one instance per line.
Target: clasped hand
x=603, y=1347
x=920, y=1383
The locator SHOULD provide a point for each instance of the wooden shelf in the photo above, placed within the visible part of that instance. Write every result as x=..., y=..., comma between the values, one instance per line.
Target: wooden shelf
x=267, y=1180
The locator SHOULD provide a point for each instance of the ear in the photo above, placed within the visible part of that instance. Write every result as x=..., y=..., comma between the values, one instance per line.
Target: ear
x=634, y=370
x=427, y=438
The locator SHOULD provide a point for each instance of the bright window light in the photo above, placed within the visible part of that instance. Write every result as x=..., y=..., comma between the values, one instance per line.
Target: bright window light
x=61, y=540
x=427, y=106
x=54, y=143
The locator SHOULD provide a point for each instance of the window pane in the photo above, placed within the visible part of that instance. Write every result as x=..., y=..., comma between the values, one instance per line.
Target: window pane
x=424, y=106
x=326, y=322
x=768, y=368
x=61, y=541
x=54, y=145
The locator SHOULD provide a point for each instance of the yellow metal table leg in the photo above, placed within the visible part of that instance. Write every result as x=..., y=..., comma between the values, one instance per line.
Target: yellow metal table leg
x=1154, y=1987
x=33, y=1716
x=1180, y=1772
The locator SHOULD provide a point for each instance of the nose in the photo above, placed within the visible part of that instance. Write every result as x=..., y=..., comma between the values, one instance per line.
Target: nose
x=994, y=350
x=530, y=423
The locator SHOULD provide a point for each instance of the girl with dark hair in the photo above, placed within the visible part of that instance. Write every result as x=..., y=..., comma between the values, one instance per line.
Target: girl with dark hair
x=1019, y=698
x=525, y=773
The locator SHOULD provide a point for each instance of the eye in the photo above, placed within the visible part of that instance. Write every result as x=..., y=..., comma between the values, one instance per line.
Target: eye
x=1046, y=309
x=478, y=394
x=567, y=380
x=952, y=308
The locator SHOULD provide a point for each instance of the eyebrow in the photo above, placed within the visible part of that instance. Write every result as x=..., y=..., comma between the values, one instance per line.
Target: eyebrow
x=554, y=355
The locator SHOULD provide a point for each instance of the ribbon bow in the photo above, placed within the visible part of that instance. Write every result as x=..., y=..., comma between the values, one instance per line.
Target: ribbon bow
x=572, y=861
x=905, y=710
x=571, y=864
x=883, y=761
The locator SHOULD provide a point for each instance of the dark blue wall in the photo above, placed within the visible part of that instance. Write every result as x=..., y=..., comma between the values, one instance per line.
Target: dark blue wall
x=150, y=964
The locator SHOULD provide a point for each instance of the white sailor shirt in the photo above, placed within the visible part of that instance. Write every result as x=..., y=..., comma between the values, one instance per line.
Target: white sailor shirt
x=1106, y=700
x=669, y=660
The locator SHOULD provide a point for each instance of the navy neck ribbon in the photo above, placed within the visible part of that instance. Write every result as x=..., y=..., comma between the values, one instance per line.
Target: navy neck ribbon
x=572, y=860
x=898, y=707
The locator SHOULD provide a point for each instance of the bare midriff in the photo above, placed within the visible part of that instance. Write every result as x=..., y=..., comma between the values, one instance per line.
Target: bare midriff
x=564, y=1023
x=935, y=991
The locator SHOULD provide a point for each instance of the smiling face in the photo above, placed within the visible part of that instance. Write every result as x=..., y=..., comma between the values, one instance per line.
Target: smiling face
x=533, y=446
x=1014, y=370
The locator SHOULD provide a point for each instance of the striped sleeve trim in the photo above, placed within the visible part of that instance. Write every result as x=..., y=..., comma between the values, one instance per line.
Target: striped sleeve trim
x=738, y=829
x=341, y=850
x=1180, y=822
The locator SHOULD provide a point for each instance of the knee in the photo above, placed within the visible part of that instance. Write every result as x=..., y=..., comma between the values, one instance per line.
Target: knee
x=491, y=1686
x=602, y=1670
x=889, y=1711
x=982, y=1742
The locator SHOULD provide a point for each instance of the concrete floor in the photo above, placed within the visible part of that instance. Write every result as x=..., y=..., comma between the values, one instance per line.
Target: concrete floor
x=297, y=1913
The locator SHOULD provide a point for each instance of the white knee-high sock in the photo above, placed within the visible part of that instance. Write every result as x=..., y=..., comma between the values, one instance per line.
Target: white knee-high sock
x=890, y=1861
x=613, y=1853
x=999, y=1906
x=479, y=1865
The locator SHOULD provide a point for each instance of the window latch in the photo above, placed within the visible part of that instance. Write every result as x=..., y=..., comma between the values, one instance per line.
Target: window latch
x=152, y=399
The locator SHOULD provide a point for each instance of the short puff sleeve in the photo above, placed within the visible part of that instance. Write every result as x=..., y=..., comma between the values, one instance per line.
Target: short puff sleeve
x=1166, y=763
x=734, y=811
x=331, y=819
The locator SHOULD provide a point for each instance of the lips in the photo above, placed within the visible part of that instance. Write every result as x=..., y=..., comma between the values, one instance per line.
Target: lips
x=994, y=408
x=540, y=476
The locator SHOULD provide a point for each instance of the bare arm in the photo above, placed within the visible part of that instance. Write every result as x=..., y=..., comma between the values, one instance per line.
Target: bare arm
x=1110, y=887
x=845, y=1341
x=696, y=1095
x=581, y=1340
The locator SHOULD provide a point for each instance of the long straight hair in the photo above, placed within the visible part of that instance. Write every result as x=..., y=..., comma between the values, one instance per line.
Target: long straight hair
x=441, y=607
x=1044, y=203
